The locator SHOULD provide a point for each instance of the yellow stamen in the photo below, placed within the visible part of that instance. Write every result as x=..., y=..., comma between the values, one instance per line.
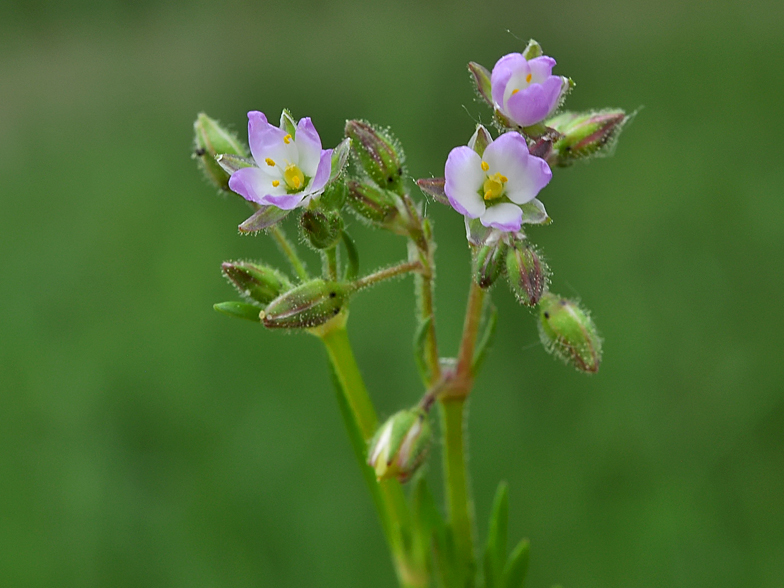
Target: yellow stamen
x=485, y=166
x=287, y=138
x=494, y=186
x=528, y=78
x=269, y=162
x=515, y=91
x=293, y=177
x=275, y=183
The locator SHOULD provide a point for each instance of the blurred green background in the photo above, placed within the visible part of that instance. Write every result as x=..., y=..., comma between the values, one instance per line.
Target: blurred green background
x=146, y=440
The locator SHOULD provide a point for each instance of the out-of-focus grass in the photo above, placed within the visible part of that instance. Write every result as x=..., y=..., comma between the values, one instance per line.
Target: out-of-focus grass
x=148, y=441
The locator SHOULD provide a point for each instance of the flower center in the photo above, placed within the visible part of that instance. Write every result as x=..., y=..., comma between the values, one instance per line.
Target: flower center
x=494, y=186
x=293, y=177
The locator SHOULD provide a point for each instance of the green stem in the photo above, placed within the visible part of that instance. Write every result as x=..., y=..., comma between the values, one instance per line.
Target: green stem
x=290, y=252
x=330, y=263
x=387, y=273
x=453, y=402
x=360, y=419
x=460, y=509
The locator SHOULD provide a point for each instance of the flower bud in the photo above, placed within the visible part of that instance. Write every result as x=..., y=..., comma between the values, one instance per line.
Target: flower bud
x=378, y=206
x=255, y=282
x=567, y=330
x=211, y=139
x=308, y=305
x=585, y=134
x=378, y=152
x=481, y=78
x=400, y=445
x=321, y=227
x=489, y=262
x=526, y=273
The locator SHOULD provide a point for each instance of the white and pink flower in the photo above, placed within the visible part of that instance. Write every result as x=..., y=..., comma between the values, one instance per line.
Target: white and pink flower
x=291, y=167
x=493, y=187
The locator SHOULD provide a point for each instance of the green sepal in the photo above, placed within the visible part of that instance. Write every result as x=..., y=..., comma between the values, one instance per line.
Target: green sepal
x=241, y=310
x=262, y=219
x=526, y=273
x=333, y=198
x=481, y=78
x=321, y=228
x=340, y=157
x=489, y=262
x=532, y=50
x=378, y=153
x=287, y=123
x=517, y=566
x=480, y=140
x=420, y=350
x=486, y=339
x=495, y=550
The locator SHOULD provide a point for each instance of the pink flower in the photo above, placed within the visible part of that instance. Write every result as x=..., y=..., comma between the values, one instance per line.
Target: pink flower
x=492, y=187
x=525, y=91
x=291, y=165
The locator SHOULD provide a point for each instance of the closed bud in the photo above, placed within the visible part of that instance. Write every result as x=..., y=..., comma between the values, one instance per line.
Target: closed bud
x=585, y=134
x=211, y=139
x=321, y=227
x=378, y=206
x=566, y=329
x=527, y=273
x=489, y=263
x=378, y=153
x=255, y=282
x=400, y=445
x=308, y=305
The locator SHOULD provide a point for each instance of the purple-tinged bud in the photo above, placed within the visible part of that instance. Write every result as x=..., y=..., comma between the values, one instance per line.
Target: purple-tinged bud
x=210, y=140
x=308, y=305
x=256, y=282
x=379, y=207
x=585, y=134
x=526, y=273
x=400, y=445
x=489, y=263
x=566, y=330
x=378, y=152
x=322, y=228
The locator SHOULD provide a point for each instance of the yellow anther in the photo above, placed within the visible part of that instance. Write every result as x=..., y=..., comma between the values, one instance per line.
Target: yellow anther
x=275, y=183
x=293, y=177
x=287, y=138
x=515, y=91
x=269, y=162
x=494, y=186
x=485, y=166
x=528, y=78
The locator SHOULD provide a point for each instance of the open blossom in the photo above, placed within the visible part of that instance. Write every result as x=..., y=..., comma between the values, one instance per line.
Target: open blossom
x=525, y=91
x=291, y=167
x=494, y=186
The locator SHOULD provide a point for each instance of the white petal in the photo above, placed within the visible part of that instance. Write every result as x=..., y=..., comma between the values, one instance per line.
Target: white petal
x=464, y=178
x=504, y=216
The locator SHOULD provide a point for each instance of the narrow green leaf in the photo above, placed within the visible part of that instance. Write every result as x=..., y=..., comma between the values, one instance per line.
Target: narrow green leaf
x=241, y=310
x=495, y=551
x=486, y=341
x=420, y=350
x=352, y=265
x=517, y=566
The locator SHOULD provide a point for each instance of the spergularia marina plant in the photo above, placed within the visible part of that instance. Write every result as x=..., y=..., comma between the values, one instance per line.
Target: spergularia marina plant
x=499, y=186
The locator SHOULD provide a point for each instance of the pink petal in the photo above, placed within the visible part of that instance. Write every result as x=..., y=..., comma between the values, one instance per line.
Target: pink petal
x=502, y=71
x=529, y=106
x=252, y=184
x=266, y=142
x=541, y=68
x=321, y=177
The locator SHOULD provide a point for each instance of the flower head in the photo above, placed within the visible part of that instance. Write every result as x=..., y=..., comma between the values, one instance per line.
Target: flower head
x=525, y=91
x=494, y=185
x=291, y=167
